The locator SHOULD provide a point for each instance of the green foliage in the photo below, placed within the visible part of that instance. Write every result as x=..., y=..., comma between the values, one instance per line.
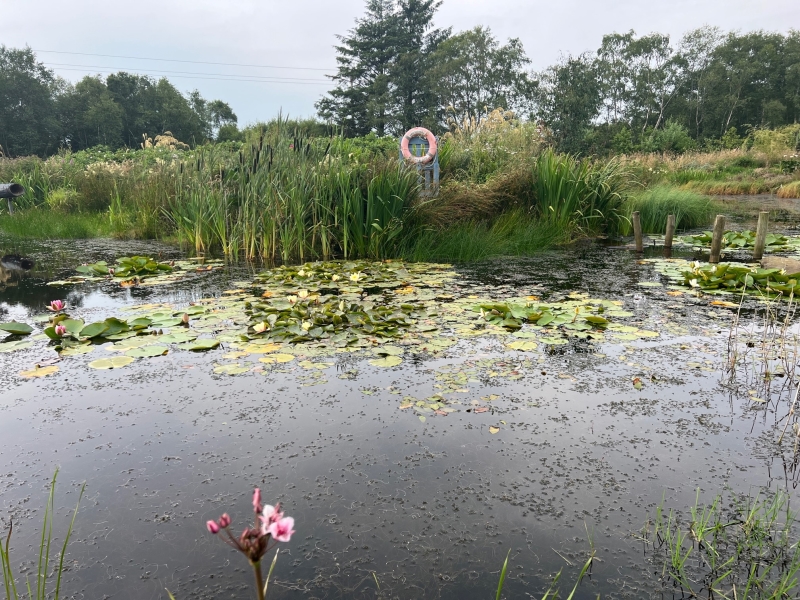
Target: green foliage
x=43, y=224
x=743, y=550
x=44, y=573
x=569, y=191
x=514, y=233
x=691, y=210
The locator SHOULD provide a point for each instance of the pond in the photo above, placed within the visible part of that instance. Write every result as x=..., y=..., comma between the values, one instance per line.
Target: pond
x=409, y=479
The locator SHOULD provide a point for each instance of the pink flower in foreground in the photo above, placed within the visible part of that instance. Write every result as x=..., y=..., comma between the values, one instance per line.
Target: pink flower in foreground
x=257, y=500
x=282, y=530
x=56, y=305
x=60, y=330
x=212, y=527
x=269, y=515
x=224, y=521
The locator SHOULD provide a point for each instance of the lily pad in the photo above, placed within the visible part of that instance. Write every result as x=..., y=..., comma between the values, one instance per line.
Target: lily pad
x=232, y=369
x=386, y=362
x=147, y=351
x=16, y=328
x=38, y=371
x=13, y=346
x=202, y=345
x=76, y=350
x=276, y=358
x=117, y=362
x=524, y=346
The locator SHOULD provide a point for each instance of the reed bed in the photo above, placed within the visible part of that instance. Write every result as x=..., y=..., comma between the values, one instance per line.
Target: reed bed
x=691, y=209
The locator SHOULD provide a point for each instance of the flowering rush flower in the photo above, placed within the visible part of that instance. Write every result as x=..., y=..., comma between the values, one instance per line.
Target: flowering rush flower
x=270, y=527
x=60, y=330
x=57, y=305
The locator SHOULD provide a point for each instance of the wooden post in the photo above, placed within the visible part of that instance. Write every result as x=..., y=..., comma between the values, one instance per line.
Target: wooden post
x=637, y=231
x=670, y=231
x=761, y=235
x=716, y=240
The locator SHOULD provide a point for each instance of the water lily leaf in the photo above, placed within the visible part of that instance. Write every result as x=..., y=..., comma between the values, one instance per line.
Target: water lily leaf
x=203, y=344
x=493, y=429
x=117, y=362
x=422, y=418
x=177, y=338
x=387, y=362
x=388, y=351
x=147, y=351
x=524, y=346
x=261, y=348
x=171, y=322
x=132, y=342
x=649, y=284
x=13, y=346
x=232, y=369
x=276, y=358
x=76, y=350
x=73, y=326
x=38, y=371
x=93, y=330
x=16, y=328
x=596, y=320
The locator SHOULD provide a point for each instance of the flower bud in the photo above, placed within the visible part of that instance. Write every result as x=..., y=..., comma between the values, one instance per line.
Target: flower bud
x=224, y=520
x=212, y=527
x=257, y=500
x=60, y=330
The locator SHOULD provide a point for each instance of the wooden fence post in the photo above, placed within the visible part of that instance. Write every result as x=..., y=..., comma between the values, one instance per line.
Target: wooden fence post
x=670, y=231
x=637, y=231
x=761, y=235
x=716, y=240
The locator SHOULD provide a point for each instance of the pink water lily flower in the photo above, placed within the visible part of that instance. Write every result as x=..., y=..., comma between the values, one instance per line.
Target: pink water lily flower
x=282, y=530
x=60, y=330
x=57, y=305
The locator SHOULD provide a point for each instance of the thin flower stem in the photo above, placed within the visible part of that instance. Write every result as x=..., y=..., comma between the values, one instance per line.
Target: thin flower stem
x=259, y=580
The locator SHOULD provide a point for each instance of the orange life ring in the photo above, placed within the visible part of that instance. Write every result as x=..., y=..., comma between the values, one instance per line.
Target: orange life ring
x=414, y=133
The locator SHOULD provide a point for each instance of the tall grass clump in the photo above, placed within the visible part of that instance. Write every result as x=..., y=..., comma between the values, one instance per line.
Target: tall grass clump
x=572, y=192
x=514, y=233
x=691, y=209
x=745, y=550
x=38, y=589
x=789, y=190
x=38, y=223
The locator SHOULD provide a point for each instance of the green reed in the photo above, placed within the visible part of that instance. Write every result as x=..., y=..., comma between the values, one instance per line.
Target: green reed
x=44, y=574
x=745, y=550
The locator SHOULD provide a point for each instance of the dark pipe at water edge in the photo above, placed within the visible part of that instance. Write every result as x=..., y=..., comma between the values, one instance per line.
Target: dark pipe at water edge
x=11, y=190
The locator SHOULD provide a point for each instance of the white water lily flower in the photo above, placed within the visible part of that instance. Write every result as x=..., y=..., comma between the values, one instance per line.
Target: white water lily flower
x=307, y=325
x=334, y=278
x=355, y=276
x=260, y=327
x=301, y=273
x=303, y=293
x=693, y=283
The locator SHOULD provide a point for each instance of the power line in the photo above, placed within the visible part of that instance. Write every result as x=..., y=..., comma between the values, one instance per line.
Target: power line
x=233, y=78
x=196, y=62
x=188, y=72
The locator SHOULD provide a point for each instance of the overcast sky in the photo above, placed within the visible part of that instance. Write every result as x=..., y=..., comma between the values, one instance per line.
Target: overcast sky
x=300, y=34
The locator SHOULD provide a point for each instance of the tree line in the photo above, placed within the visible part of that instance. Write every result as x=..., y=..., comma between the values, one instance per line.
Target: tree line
x=41, y=113
x=397, y=70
